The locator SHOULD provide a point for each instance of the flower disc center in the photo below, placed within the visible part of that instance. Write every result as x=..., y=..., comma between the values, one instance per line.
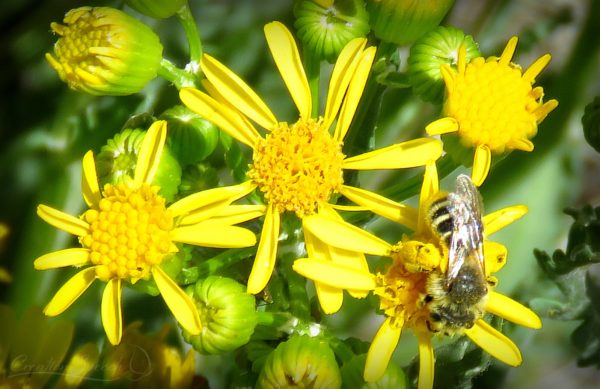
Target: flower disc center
x=493, y=105
x=129, y=233
x=298, y=167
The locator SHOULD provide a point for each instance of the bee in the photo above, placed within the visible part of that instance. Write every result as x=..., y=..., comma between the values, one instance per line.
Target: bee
x=456, y=299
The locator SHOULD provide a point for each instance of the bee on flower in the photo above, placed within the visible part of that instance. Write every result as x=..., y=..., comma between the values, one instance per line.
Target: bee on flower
x=128, y=231
x=440, y=281
x=298, y=166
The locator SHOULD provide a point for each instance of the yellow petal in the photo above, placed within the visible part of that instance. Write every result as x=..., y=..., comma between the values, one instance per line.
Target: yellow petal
x=220, y=115
x=536, y=68
x=212, y=234
x=180, y=304
x=342, y=73
x=442, y=126
x=382, y=206
x=426, y=361
x=330, y=298
x=70, y=292
x=235, y=214
x=68, y=257
x=381, y=350
x=285, y=54
x=507, y=308
x=501, y=218
x=494, y=343
x=481, y=164
x=266, y=253
x=429, y=188
x=521, y=144
x=112, y=321
x=542, y=111
x=354, y=93
x=63, y=221
x=80, y=364
x=334, y=274
x=237, y=92
x=416, y=152
x=89, y=180
x=150, y=153
x=495, y=256
x=346, y=236
x=509, y=51
x=210, y=199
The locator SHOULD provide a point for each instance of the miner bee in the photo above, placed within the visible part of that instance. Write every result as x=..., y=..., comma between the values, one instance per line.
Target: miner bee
x=456, y=299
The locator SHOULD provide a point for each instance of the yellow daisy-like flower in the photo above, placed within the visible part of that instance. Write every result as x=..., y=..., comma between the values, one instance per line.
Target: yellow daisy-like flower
x=492, y=105
x=148, y=360
x=405, y=290
x=299, y=166
x=128, y=231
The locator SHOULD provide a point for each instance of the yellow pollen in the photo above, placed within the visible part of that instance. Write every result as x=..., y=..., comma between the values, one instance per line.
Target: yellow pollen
x=401, y=294
x=493, y=104
x=129, y=233
x=298, y=167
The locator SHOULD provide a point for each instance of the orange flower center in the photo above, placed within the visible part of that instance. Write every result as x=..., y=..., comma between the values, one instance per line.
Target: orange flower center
x=298, y=167
x=129, y=232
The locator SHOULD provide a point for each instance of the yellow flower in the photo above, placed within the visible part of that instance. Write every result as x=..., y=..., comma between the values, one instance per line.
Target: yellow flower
x=492, y=106
x=149, y=361
x=128, y=231
x=33, y=349
x=403, y=290
x=299, y=166
x=104, y=51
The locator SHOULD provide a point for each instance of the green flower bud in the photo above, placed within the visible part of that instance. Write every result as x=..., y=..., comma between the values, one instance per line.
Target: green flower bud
x=103, y=51
x=158, y=9
x=191, y=138
x=429, y=53
x=352, y=376
x=227, y=314
x=404, y=21
x=196, y=178
x=591, y=123
x=302, y=362
x=118, y=157
x=324, y=29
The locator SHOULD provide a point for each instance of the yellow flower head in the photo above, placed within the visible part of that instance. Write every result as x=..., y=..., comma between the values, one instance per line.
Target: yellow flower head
x=492, y=105
x=103, y=51
x=148, y=360
x=412, y=291
x=128, y=231
x=33, y=350
x=299, y=166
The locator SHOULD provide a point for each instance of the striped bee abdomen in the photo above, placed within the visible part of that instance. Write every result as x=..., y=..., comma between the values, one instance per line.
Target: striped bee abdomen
x=441, y=219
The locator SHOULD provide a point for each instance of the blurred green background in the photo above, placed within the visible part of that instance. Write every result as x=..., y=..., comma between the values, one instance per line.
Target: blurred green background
x=45, y=129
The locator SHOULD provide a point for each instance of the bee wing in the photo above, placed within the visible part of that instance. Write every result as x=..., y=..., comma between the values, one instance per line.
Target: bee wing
x=467, y=232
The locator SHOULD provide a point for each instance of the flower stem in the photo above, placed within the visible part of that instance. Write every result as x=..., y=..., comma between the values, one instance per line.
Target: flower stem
x=179, y=77
x=191, y=32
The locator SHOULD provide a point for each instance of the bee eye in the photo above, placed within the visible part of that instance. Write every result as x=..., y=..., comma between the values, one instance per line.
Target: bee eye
x=428, y=298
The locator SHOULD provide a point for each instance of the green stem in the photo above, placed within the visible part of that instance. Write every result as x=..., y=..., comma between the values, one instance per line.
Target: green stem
x=312, y=64
x=179, y=77
x=191, y=32
x=342, y=351
x=215, y=264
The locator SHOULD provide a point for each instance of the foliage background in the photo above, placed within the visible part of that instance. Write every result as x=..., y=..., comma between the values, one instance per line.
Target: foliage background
x=45, y=128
